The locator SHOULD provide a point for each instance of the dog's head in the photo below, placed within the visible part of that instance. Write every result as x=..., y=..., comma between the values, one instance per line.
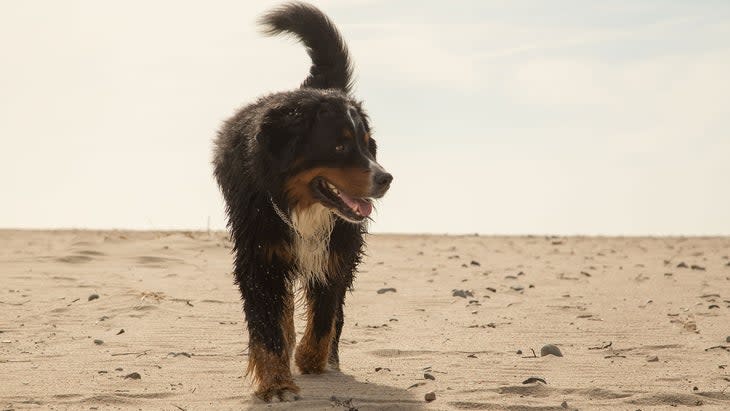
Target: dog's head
x=322, y=147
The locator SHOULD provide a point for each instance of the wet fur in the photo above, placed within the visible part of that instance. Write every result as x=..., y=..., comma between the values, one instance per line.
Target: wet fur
x=264, y=155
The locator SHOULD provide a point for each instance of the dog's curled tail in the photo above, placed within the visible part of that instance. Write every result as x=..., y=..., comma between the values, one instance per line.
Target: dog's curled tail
x=331, y=66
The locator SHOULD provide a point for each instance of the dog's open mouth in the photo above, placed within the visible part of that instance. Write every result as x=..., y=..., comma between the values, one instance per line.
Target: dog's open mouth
x=354, y=209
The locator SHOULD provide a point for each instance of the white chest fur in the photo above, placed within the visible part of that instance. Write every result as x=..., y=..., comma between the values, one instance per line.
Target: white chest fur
x=311, y=246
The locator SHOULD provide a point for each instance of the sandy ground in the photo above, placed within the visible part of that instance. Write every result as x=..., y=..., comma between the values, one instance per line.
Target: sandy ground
x=638, y=330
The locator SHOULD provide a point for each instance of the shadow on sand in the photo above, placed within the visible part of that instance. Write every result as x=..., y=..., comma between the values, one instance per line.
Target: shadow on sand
x=337, y=391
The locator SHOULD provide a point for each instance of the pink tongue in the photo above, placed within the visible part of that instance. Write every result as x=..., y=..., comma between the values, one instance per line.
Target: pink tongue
x=362, y=206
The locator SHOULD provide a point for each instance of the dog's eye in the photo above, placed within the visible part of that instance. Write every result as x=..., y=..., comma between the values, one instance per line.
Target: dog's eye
x=340, y=148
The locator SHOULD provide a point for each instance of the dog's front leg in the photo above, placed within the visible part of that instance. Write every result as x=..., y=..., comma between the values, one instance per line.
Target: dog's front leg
x=324, y=302
x=269, y=308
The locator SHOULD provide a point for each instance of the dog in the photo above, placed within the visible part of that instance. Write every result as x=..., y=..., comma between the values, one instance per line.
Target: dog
x=298, y=173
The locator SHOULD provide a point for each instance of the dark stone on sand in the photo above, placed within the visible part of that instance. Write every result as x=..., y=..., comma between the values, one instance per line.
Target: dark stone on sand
x=462, y=293
x=550, y=349
x=727, y=339
x=471, y=356
x=428, y=376
x=476, y=263
x=534, y=379
x=133, y=376
x=517, y=287
x=682, y=265
x=713, y=306
x=492, y=289
x=93, y=297
x=98, y=342
x=652, y=358
x=697, y=267
x=430, y=396
x=387, y=290
x=564, y=404
x=121, y=331
x=519, y=352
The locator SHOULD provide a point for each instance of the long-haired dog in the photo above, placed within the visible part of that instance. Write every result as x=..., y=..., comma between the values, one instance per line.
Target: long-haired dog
x=298, y=173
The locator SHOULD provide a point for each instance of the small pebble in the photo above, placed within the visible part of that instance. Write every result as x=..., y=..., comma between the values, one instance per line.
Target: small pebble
x=121, y=331
x=387, y=290
x=430, y=396
x=462, y=293
x=133, y=376
x=93, y=297
x=476, y=263
x=564, y=404
x=98, y=342
x=550, y=349
x=682, y=265
x=652, y=358
x=519, y=352
x=534, y=379
x=727, y=339
x=428, y=376
x=517, y=287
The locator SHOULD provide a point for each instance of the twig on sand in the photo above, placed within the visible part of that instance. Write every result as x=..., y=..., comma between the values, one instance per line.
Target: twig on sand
x=719, y=347
x=601, y=347
x=138, y=354
x=534, y=355
x=179, y=407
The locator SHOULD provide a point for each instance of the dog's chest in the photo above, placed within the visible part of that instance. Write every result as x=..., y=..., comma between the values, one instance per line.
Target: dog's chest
x=311, y=245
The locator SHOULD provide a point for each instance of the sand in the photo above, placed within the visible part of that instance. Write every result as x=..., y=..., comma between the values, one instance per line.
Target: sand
x=636, y=331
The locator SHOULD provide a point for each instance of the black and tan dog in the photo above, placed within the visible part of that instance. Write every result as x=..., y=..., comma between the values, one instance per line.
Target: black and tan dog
x=298, y=173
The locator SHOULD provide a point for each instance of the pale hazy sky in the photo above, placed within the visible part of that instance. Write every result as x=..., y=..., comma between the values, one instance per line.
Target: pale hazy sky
x=567, y=117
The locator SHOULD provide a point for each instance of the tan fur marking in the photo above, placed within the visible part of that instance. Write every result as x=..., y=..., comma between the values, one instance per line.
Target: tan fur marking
x=287, y=325
x=270, y=371
x=353, y=181
x=312, y=353
x=280, y=250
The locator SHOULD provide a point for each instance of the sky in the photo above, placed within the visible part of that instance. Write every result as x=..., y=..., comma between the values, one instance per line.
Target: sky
x=495, y=117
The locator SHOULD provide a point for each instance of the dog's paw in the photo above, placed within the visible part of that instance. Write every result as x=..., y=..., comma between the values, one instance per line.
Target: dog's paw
x=308, y=366
x=334, y=364
x=286, y=392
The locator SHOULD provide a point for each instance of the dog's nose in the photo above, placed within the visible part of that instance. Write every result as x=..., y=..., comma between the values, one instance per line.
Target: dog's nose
x=383, y=179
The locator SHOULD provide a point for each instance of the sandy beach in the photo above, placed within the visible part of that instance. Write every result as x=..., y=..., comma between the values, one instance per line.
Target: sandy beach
x=152, y=320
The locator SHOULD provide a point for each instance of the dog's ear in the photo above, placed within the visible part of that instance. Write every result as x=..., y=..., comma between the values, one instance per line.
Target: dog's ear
x=281, y=130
